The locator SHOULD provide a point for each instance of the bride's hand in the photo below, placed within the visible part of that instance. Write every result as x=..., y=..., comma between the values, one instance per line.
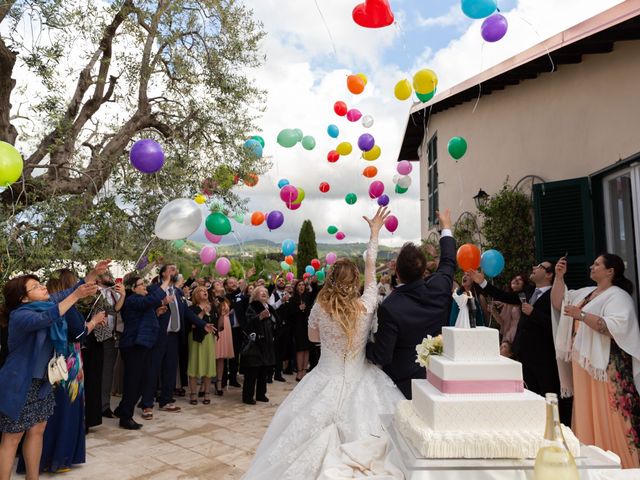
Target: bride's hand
x=376, y=223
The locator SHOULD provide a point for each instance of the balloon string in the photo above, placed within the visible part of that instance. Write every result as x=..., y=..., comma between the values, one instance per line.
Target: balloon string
x=461, y=188
x=13, y=214
x=542, y=40
x=143, y=252
x=335, y=52
x=240, y=242
x=479, y=84
x=158, y=185
x=401, y=36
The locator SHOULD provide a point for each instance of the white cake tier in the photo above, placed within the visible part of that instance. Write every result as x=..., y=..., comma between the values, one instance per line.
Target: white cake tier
x=470, y=344
x=478, y=412
x=490, y=376
x=506, y=443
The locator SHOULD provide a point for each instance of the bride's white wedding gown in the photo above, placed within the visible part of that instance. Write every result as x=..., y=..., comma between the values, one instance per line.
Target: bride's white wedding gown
x=338, y=402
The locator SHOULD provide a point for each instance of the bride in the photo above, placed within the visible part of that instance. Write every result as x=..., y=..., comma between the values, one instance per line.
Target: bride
x=341, y=399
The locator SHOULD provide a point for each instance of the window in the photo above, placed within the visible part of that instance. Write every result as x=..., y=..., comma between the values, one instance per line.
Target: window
x=432, y=184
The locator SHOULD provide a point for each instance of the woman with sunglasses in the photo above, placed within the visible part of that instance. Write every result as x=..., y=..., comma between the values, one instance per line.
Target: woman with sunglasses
x=35, y=319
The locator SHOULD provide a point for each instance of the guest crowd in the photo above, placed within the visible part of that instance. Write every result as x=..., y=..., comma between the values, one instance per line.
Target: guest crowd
x=69, y=344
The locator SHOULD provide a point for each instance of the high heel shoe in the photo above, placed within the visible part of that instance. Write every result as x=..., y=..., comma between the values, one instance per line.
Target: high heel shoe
x=219, y=391
x=193, y=399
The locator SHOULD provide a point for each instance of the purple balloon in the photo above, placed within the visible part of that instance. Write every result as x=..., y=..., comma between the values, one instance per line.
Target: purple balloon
x=146, y=156
x=275, y=219
x=366, y=142
x=383, y=200
x=288, y=194
x=494, y=27
x=376, y=189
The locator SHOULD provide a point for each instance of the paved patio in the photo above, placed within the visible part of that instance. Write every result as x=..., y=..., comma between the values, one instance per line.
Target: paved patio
x=201, y=442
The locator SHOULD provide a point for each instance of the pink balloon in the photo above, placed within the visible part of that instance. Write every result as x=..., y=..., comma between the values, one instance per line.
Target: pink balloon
x=223, y=265
x=212, y=237
x=208, y=254
x=391, y=223
x=354, y=115
x=340, y=236
x=404, y=167
x=294, y=206
x=288, y=194
x=331, y=258
x=289, y=276
x=376, y=189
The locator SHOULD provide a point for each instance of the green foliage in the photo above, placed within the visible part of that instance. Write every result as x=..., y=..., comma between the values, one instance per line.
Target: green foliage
x=466, y=229
x=307, y=247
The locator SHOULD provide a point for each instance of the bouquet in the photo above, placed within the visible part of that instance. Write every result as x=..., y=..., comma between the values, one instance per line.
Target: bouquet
x=429, y=346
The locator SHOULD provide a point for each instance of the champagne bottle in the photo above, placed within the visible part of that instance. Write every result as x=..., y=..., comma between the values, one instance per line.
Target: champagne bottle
x=554, y=460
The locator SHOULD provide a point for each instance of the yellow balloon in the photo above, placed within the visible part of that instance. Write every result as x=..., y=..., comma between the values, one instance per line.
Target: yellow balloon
x=301, y=195
x=200, y=199
x=403, y=89
x=344, y=148
x=372, y=154
x=363, y=77
x=425, y=81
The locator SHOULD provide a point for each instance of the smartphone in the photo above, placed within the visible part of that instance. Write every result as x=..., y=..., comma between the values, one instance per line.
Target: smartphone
x=522, y=297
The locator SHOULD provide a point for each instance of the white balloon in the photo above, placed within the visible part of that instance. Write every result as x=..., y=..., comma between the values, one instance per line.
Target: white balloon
x=404, y=181
x=178, y=219
x=396, y=177
x=364, y=255
x=367, y=121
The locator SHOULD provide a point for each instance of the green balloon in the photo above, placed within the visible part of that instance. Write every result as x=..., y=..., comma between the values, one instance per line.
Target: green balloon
x=351, y=198
x=178, y=244
x=308, y=142
x=218, y=224
x=287, y=138
x=457, y=147
x=239, y=217
x=320, y=275
x=332, y=230
x=298, y=133
x=425, y=97
x=401, y=190
x=284, y=266
x=10, y=164
x=301, y=195
x=259, y=139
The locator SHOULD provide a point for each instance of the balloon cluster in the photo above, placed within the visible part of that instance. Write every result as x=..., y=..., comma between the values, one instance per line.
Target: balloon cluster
x=274, y=219
x=469, y=258
x=402, y=180
x=290, y=137
x=333, y=230
x=425, y=83
x=495, y=25
x=290, y=195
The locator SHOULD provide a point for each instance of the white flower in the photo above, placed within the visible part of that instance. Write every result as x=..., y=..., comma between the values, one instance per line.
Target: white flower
x=429, y=346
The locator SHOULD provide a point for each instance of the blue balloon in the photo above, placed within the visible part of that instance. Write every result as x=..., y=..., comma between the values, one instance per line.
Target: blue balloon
x=288, y=247
x=333, y=131
x=253, y=148
x=310, y=270
x=283, y=182
x=492, y=263
x=479, y=8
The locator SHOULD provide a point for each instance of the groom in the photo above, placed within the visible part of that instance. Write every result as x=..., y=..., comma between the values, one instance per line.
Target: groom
x=418, y=307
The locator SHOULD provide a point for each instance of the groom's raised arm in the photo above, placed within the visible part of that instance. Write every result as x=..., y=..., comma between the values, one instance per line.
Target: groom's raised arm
x=381, y=351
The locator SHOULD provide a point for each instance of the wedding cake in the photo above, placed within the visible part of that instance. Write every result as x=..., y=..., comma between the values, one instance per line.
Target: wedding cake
x=473, y=403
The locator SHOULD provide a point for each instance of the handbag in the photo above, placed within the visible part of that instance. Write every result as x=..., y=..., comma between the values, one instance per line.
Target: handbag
x=57, y=369
x=250, y=349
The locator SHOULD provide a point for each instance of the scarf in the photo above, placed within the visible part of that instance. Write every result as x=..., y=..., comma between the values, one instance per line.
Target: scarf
x=57, y=330
x=590, y=348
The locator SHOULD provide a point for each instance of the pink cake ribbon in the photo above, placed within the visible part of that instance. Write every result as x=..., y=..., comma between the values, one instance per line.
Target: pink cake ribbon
x=475, y=386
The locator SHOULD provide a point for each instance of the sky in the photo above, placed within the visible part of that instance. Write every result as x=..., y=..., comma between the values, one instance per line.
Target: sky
x=312, y=46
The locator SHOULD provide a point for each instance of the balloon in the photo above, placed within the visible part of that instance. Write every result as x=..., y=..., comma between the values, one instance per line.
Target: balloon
x=284, y=266
x=301, y=195
x=344, y=148
x=355, y=84
x=288, y=259
x=404, y=167
x=306, y=275
x=325, y=187
x=223, y=265
x=383, y=200
x=404, y=181
x=294, y=206
x=11, y=164
x=367, y=121
x=366, y=142
x=218, y=223
x=259, y=139
x=403, y=89
x=370, y=172
x=238, y=217
x=283, y=182
x=144, y=261
x=257, y=218
x=494, y=28
x=208, y=254
x=372, y=154
x=310, y=270
x=363, y=77
x=178, y=219
x=211, y=237
x=333, y=131
x=320, y=275
x=288, y=194
x=178, y=244
x=457, y=147
x=331, y=258
x=308, y=142
x=391, y=223
x=340, y=236
x=251, y=180
x=331, y=230
x=340, y=108
x=253, y=148
x=275, y=219
x=479, y=8
x=146, y=156
x=290, y=276
x=492, y=263
x=287, y=138
x=351, y=198
x=400, y=189
x=373, y=14
x=468, y=257
x=354, y=115
x=333, y=156
x=425, y=97
x=288, y=247
x=299, y=134
x=425, y=81
x=376, y=189
x=200, y=199
x=315, y=263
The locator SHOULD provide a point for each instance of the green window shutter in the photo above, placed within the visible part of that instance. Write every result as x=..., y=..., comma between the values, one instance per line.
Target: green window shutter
x=564, y=223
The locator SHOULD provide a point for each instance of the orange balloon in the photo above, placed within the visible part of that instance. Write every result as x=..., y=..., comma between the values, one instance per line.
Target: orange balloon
x=251, y=180
x=288, y=259
x=370, y=172
x=468, y=257
x=355, y=84
x=257, y=218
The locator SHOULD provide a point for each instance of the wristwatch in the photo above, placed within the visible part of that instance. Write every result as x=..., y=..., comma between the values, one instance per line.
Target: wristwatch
x=583, y=315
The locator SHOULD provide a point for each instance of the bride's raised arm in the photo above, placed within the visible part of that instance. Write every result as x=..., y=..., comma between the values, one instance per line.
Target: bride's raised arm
x=375, y=224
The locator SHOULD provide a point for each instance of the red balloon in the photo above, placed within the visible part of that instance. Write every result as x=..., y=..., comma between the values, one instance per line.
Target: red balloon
x=468, y=257
x=333, y=156
x=325, y=187
x=315, y=263
x=340, y=108
x=305, y=276
x=373, y=14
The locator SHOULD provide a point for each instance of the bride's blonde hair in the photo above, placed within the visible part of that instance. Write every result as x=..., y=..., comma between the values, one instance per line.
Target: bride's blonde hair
x=340, y=296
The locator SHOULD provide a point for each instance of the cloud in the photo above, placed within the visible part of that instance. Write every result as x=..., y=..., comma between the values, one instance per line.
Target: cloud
x=454, y=17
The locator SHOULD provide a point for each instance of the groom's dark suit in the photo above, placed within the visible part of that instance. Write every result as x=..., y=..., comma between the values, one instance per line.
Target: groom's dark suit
x=408, y=315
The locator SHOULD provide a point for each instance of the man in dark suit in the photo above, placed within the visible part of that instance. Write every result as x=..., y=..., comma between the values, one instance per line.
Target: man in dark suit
x=416, y=308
